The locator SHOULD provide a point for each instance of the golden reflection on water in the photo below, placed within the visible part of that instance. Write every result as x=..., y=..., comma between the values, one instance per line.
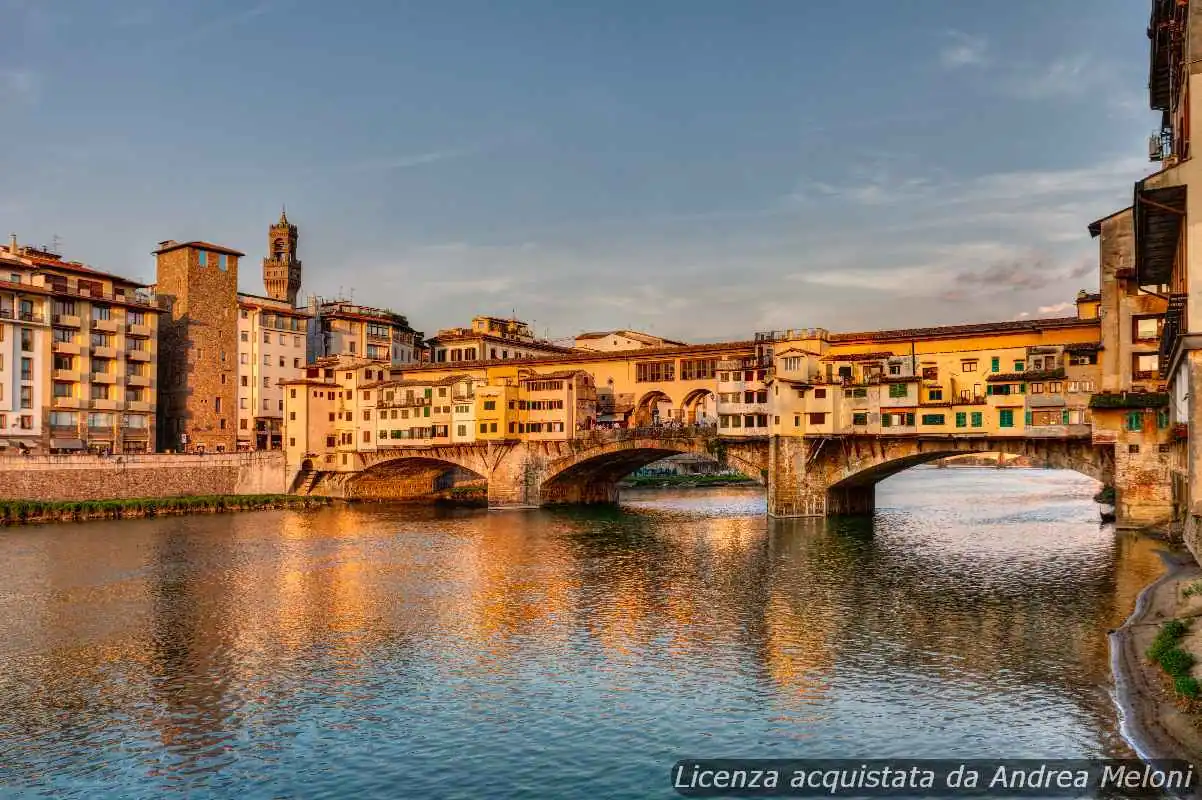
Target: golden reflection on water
x=196, y=633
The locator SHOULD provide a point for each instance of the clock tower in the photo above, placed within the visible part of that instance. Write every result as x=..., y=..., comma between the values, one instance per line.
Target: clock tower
x=281, y=267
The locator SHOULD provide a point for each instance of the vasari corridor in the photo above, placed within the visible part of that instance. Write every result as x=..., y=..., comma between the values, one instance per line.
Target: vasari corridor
x=615, y=400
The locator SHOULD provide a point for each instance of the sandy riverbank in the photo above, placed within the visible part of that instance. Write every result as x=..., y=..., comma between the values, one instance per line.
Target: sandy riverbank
x=1153, y=720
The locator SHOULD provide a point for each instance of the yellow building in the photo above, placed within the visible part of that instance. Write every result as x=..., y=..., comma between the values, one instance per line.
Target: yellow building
x=490, y=339
x=85, y=347
x=272, y=347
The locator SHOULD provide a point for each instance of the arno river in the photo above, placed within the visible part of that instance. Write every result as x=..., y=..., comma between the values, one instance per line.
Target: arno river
x=385, y=651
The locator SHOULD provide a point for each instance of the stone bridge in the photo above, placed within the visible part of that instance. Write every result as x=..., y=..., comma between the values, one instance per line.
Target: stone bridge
x=812, y=476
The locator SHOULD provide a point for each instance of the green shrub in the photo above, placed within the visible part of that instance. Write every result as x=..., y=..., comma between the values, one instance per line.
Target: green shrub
x=1177, y=662
x=1187, y=687
x=1192, y=589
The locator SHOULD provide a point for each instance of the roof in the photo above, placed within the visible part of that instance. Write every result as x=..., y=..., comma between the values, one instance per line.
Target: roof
x=1095, y=227
x=42, y=263
x=638, y=336
x=466, y=334
x=558, y=375
x=281, y=306
x=169, y=245
x=308, y=382
x=1083, y=347
x=964, y=330
x=859, y=356
x=577, y=356
x=391, y=384
x=1089, y=297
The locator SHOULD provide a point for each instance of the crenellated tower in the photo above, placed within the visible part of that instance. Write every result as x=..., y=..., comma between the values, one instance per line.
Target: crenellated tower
x=281, y=267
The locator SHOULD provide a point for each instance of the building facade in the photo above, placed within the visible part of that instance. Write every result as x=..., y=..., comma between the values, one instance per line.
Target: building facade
x=79, y=359
x=340, y=328
x=272, y=348
x=490, y=339
x=609, y=341
x=197, y=286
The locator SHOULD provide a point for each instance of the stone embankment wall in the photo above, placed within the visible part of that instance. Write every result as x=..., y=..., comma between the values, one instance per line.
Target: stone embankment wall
x=87, y=477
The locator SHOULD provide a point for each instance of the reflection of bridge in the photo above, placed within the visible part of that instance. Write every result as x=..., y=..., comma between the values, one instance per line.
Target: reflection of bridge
x=811, y=476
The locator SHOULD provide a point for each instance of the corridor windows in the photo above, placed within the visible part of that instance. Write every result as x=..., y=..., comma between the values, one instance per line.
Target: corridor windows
x=654, y=371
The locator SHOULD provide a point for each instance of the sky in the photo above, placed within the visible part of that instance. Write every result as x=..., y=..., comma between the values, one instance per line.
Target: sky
x=700, y=170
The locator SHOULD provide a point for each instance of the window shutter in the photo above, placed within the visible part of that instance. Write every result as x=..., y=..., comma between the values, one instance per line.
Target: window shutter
x=1028, y=419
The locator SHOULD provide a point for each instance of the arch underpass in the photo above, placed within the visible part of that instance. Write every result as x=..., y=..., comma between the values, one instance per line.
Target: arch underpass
x=411, y=478
x=592, y=476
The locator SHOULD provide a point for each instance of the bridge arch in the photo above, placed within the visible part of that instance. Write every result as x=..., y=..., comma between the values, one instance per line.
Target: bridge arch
x=413, y=476
x=591, y=475
x=699, y=407
x=653, y=407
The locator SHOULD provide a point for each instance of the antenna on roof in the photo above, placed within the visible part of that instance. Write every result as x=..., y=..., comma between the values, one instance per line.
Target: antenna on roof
x=55, y=242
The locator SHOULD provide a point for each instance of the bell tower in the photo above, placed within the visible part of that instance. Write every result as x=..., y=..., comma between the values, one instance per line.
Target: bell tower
x=281, y=267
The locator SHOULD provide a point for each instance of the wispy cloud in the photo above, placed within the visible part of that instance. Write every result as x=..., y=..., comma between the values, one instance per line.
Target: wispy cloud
x=1058, y=308
x=387, y=163
x=1068, y=76
x=964, y=50
x=204, y=29
x=21, y=85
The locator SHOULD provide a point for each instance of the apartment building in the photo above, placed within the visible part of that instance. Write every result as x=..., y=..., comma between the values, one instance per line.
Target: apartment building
x=79, y=374
x=272, y=348
x=611, y=341
x=490, y=339
x=340, y=328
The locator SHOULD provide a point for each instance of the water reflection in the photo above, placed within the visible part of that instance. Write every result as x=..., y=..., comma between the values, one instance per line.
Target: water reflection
x=354, y=651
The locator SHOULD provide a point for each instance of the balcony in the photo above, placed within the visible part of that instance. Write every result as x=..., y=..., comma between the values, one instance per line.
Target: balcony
x=65, y=375
x=463, y=397
x=137, y=380
x=65, y=347
x=139, y=405
x=66, y=402
x=404, y=402
x=104, y=352
x=138, y=355
x=139, y=331
x=103, y=377
x=106, y=325
x=104, y=404
x=67, y=320
x=22, y=316
x=128, y=432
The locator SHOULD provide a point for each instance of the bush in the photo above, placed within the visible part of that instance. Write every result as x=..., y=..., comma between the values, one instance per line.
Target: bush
x=1166, y=639
x=1187, y=687
x=1177, y=662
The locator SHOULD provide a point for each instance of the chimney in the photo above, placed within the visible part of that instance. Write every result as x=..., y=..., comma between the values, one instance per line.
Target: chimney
x=12, y=244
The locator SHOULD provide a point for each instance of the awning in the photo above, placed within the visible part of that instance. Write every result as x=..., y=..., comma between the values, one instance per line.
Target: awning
x=1159, y=214
x=66, y=444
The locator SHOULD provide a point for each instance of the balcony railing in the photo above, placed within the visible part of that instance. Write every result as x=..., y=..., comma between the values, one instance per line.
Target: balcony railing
x=23, y=316
x=405, y=402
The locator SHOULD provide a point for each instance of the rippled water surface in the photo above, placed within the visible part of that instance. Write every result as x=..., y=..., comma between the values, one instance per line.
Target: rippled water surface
x=401, y=652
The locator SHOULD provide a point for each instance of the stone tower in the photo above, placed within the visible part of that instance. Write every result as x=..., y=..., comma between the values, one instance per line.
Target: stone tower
x=281, y=267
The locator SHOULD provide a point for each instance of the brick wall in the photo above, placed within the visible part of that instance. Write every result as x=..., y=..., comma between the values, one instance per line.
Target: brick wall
x=80, y=477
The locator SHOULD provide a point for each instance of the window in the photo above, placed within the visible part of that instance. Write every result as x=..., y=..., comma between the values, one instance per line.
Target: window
x=483, y=427
x=243, y=402
x=818, y=418
x=654, y=371
x=1019, y=366
x=1006, y=418
x=961, y=419
x=266, y=382
x=932, y=419
x=492, y=428
x=202, y=257
x=100, y=391
x=698, y=369
x=26, y=340
x=1162, y=418
x=1135, y=420
x=64, y=335
x=221, y=261
x=898, y=390
x=1146, y=365
x=62, y=389
x=1074, y=386
x=930, y=373
x=296, y=363
x=461, y=430
x=855, y=392
x=266, y=360
x=102, y=312
x=62, y=419
x=64, y=362
x=934, y=394
x=1056, y=387
x=859, y=418
x=26, y=369
x=895, y=369
x=1147, y=328
x=995, y=364
x=1133, y=448
x=134, y=394
x=366, y=414
x=244, y=336
x=819, y=393
x=101, y=340
x=1037, y=388
x=978, y=419
x=968, y=365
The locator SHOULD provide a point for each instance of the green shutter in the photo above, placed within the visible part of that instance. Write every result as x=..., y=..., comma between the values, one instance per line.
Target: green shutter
x=1027, y=420
x=995, y=364
x=1006, y=418
x=427, y=411
x=1022, y=388
x=961, y=419
x=1162, y=418
x=910, y=419
x=1064, y=417
x=978, y=419
x=886, y=420
x=1135, y=420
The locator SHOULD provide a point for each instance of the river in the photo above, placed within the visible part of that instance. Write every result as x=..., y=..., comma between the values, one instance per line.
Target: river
x=391, y=651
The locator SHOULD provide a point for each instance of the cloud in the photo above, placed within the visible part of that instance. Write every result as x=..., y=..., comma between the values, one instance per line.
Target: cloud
x=20, y=85
x=964, y=50
x=1068, y=76
x=1057, y=308
x=387, y=163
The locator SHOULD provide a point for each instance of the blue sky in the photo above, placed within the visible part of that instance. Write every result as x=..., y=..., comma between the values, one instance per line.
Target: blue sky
x=698, y=169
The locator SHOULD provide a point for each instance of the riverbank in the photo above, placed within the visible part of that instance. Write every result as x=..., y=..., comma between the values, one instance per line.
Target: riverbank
x=1154, y=718
x=28, y=512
